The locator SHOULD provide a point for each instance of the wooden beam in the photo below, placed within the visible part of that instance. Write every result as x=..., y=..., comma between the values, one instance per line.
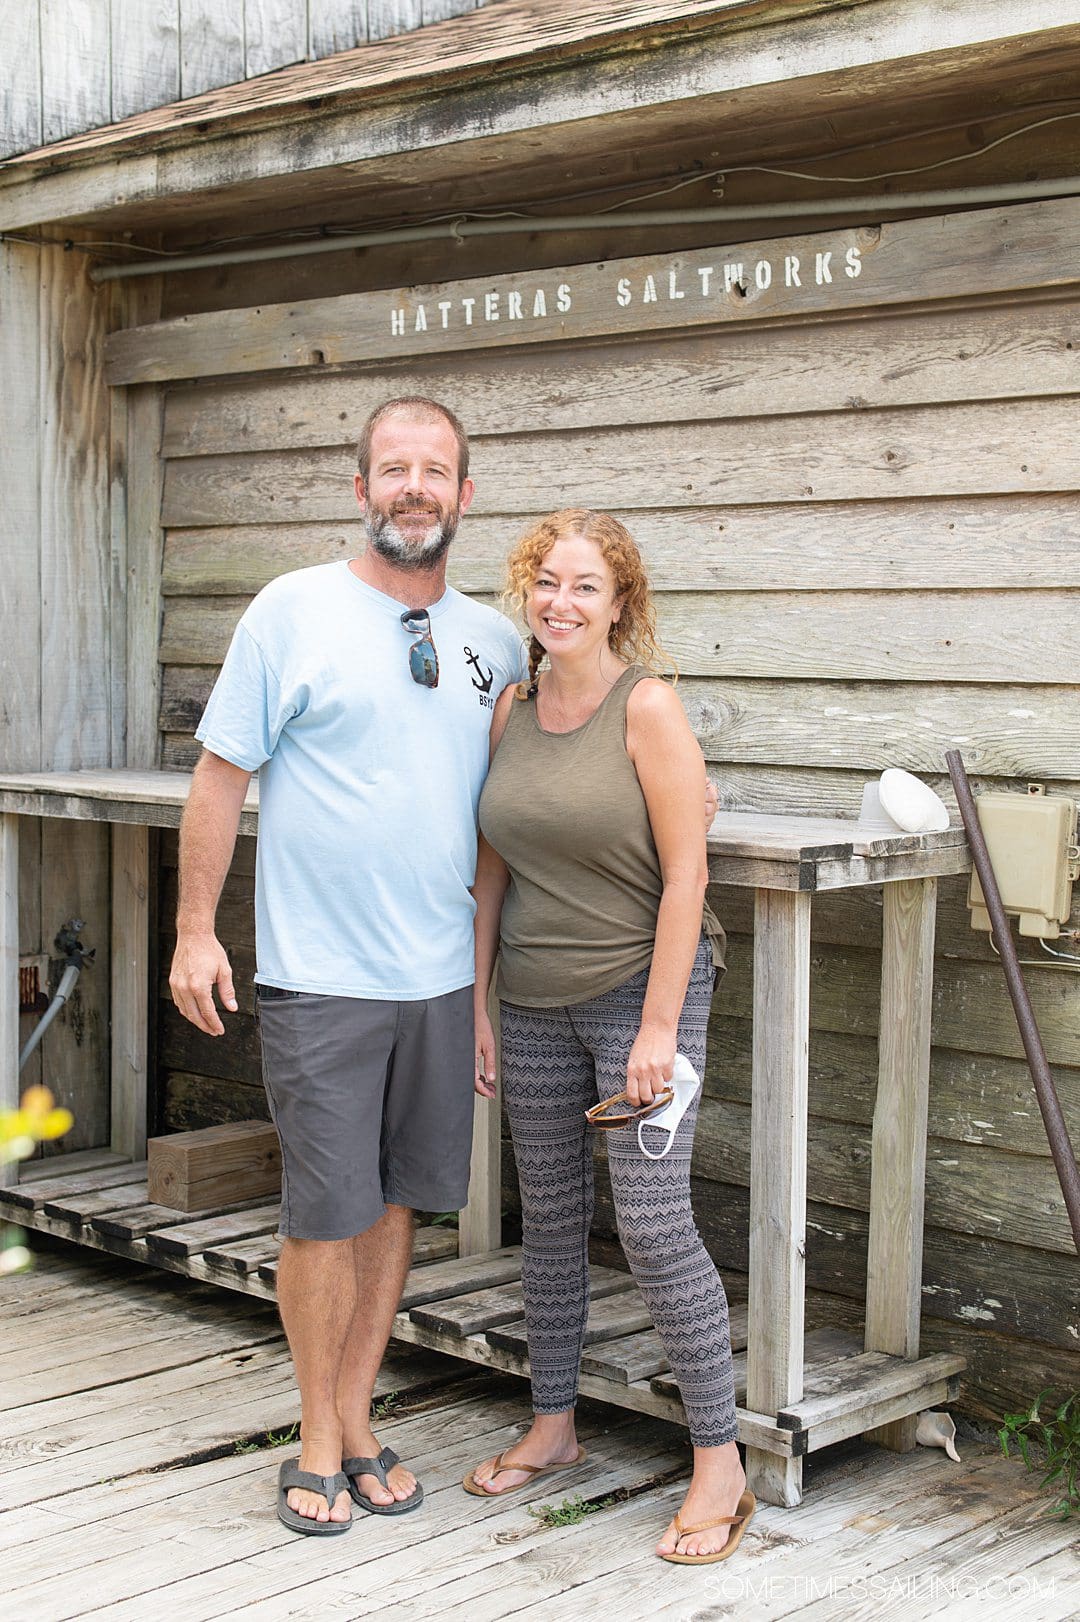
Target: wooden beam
x=774, y=1345
x=898, y=1161
x=9, y=978
x=480, y=1222
x=129, y=956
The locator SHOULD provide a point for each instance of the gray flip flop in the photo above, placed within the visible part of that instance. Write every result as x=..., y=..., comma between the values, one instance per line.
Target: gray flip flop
x=291, y=1475
x=379, y=1468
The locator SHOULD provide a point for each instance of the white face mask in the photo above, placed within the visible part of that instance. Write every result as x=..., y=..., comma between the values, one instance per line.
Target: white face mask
x=684, y=1083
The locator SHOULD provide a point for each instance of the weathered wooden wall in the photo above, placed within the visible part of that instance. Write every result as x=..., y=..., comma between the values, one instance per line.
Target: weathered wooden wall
x=863, y=535
x=71, y=65
x=61, y=594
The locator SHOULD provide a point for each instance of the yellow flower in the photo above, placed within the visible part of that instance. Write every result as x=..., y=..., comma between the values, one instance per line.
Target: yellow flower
x=36, y=1120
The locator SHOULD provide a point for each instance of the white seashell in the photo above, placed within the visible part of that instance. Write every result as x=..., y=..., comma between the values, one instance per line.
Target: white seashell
x=937, y=1430
x=911, y=804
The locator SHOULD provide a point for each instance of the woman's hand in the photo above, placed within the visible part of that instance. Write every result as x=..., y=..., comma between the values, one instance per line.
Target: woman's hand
x=484, y=1081
x=651, y=1063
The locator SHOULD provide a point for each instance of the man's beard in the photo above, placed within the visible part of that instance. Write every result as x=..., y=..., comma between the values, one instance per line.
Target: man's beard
x=395, y=546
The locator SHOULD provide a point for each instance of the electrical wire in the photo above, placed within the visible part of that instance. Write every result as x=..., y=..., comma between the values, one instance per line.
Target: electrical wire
x=850, y=180
x=301, y=233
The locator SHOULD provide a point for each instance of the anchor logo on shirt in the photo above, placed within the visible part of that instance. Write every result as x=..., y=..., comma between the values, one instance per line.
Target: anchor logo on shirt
x=483, y=684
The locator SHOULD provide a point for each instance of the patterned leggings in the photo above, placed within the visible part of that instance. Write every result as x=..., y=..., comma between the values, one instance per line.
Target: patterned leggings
x=556, y=1062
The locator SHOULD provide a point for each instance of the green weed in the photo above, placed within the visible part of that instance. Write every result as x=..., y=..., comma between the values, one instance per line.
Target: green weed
x=570, y=1511
x=1050, y=1443
x=385, y=1407
x=255, y=1444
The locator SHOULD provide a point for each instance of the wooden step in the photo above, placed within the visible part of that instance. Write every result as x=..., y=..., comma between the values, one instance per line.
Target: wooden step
x=487, y=1309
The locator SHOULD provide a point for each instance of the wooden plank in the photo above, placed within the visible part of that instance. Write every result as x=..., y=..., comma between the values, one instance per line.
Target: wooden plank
x=942, y=636
x=433, y=1244
x=874, y=266
x=897, y=359
x=9, y=978
x=211, y=46
x=611, y=1316
x=144, y=48
x=20, y=580
x=897, y=1182
x=70, y=1165
x=275, y=34
x=440, y=1280
x=778, y=1175
x=217, y=1232
x=858, y=1380
x=627, y=1358
x=141, y=1217
x=981, y=448
x=910, y=545
x=480, y=1223
x=20, y=86
x=129, y=953
x=76, y=725
x=339, y=26
x=75, y=1209
x=481, y=1310
x=34, y=1195
x=144, y=548
x=242, y=1256
x=74, y=67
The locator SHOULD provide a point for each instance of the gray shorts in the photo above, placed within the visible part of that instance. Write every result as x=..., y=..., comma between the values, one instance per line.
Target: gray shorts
x=373, y=1103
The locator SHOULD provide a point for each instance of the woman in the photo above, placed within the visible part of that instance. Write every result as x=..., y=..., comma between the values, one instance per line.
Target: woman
x=590, y=882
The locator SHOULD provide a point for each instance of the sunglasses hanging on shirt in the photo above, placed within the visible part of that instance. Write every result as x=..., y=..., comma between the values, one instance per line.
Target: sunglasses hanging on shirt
x=423, y=659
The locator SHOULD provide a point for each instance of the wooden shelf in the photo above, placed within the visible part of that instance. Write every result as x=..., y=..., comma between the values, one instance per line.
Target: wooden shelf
x=471, y=1308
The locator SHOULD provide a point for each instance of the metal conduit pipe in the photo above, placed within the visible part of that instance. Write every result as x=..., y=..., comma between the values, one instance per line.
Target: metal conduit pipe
x=1049, y=1104
x=458, y=230
x=63, y=991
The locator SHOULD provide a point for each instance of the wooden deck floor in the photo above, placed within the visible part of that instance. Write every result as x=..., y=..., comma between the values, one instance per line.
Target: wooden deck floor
x=135, y=1482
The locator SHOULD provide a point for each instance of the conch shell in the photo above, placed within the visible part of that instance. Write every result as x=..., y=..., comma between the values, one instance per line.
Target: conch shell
x=937, y=1430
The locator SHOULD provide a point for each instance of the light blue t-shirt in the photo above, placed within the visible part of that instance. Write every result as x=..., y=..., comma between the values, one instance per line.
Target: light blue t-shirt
x=368, y=782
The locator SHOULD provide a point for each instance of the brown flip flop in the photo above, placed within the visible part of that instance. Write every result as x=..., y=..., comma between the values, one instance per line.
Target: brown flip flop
x=471, y=1484
x=739, y=1521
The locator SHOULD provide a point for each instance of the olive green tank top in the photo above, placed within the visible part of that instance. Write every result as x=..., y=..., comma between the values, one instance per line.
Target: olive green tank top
x=566, y=813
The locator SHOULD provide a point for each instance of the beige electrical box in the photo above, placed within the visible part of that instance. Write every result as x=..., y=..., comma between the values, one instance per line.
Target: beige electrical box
x=1032, y=843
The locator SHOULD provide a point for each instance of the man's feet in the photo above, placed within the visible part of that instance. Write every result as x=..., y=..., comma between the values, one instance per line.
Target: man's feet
x=550, y=1441
x=717, y=1485
x=400, y=1482
x=321, y=1461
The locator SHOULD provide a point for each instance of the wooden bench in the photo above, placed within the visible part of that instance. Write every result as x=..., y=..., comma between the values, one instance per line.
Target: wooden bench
x=796, y=1392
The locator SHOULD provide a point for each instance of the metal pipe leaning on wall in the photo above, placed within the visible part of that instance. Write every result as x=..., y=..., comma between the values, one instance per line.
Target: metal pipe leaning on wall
x=1049, y=1105
x=457, y=230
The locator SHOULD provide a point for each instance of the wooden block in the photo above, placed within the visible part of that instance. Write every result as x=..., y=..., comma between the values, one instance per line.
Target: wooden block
x=218, y=1165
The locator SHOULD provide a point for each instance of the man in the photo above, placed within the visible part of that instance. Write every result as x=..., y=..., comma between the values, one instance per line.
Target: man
x=362, y=693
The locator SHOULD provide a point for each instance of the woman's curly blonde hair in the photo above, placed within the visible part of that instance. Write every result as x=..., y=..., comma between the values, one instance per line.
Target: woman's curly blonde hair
x=633, y=635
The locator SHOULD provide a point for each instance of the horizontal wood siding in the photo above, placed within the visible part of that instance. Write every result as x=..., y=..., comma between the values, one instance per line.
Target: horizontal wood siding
x=864, y=540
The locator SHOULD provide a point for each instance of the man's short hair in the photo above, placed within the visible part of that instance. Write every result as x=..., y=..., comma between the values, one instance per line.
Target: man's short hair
x=417, y=408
